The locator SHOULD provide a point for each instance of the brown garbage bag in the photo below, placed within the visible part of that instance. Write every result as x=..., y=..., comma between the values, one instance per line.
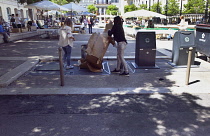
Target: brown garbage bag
x=96, y=49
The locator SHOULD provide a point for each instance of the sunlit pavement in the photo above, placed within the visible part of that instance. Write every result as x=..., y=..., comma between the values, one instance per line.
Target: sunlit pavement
x=102, y=115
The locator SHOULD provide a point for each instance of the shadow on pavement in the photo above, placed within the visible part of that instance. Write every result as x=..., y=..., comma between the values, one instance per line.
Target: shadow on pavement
x=148, y=114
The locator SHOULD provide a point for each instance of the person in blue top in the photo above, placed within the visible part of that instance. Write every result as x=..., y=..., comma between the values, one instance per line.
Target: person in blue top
x=119, y=36
x=4, y=33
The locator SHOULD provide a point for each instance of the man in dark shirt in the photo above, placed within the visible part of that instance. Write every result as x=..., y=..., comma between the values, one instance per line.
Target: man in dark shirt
x=12, y=21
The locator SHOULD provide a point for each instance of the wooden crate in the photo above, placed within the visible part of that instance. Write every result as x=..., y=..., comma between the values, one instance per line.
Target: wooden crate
x=16, y=30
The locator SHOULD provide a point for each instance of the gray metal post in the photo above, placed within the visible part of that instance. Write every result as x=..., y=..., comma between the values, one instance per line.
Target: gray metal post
x=61, y=66
x=188, y=65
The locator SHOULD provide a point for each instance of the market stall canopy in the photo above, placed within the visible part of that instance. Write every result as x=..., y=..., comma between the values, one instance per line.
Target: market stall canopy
x=53, y=12
x=143, y=13
x=107, y=16
x=46, y=5
x=74, y=7
x=70, y=14
x=87, y=14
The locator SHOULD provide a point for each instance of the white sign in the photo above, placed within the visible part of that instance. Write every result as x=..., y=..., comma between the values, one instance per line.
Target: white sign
x=202, y=36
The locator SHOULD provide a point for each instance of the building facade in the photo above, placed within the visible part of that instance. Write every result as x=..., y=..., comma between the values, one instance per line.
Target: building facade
x=151, y=2
x=101, y=4
x=8, y=7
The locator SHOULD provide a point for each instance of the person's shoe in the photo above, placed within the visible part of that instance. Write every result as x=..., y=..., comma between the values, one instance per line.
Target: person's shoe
x=64, y=65
x=115, y=71
x=69, y=67
x=124, y=74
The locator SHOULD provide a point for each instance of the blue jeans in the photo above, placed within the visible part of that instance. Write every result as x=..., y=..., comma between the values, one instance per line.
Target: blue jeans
x=67, y=54
x=90, y=28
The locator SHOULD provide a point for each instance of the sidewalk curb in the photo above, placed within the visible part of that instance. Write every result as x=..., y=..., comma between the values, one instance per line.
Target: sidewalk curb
x=12, y=75
x=67, y=90
x=55, y=58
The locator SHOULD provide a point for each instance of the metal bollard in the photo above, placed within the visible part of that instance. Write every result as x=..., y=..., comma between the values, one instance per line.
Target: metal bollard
x=188, y=66
x=61, y=66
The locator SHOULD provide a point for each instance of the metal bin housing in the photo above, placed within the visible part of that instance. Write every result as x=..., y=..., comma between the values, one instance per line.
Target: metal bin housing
x=181, y=42
x=145, y=52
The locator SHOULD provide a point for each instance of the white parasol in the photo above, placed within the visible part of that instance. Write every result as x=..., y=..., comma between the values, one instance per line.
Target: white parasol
x=46, y=5
x=74, y=7
x=143, y=13
x=52, y=12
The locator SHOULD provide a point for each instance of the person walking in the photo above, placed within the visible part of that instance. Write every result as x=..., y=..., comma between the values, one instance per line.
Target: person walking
x=90, y=24
x=6, y=35
x=66, y=41
x=18, y=21
x=85, y=22
x=12, y=21
x=182, y=25
x=119, y=36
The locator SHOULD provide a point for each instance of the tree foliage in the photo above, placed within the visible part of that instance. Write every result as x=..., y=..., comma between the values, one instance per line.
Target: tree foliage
x=156, y=7
x=112, y=9
x=92, y=8
x=143, y=6
x=194, y=6
x=60, y=2
x=172, y=8
x=129, y=8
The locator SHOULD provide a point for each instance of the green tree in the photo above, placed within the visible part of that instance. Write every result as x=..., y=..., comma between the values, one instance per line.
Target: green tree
x=194, y=6
x=92, y=8
x=60, y=2
x=156, y=7
x=143, y=6
x=172, y=8
x=129, y=8
x=112, y=9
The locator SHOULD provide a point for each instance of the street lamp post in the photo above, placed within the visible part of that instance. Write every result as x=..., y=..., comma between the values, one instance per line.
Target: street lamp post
x=181, y=8
x=122, y=7
x=206, y=11
x=166, y=12
x=149, y=4
x=158, y=6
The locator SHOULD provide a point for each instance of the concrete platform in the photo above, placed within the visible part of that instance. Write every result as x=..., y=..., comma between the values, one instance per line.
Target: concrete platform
x=18, y=36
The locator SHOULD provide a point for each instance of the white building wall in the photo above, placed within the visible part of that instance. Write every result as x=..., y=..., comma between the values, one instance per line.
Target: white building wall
x=163, y=2
x=14, y=8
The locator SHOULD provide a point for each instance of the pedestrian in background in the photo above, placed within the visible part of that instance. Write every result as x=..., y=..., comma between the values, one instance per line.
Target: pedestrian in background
x=182, y=25
x=18, y=21
x=90, y=24
x=66, y=41
x=119, y=37
x=12, y=21
x=5, y=34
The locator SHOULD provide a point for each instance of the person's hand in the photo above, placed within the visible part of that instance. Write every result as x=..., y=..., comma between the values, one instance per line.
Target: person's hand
x=115, y=44
x=72, y=38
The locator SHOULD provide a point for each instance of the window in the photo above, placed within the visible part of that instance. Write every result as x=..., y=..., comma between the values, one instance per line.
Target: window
x=0, y=12
x=8, y=13
x=21, y=13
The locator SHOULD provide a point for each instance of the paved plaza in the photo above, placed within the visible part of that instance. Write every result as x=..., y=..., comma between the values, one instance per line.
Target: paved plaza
x=20, y=73
x=150, y=102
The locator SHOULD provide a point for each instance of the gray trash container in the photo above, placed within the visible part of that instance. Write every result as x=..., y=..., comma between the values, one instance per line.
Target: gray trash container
x=181, y=42
x=145, y=52
x=202, y=40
